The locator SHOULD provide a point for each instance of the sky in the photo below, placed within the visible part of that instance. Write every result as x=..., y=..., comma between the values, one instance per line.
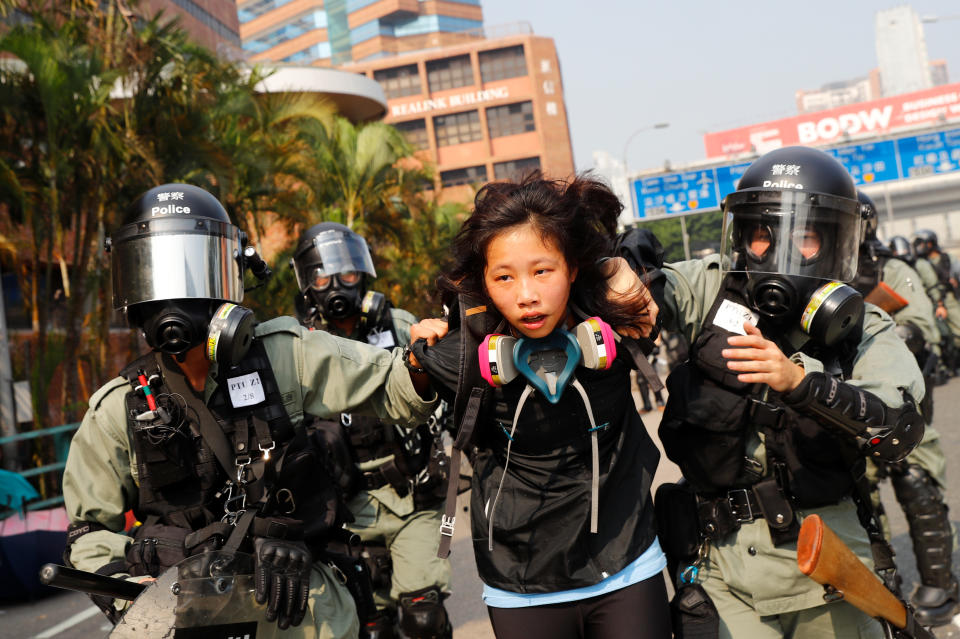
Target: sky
x=703, y=65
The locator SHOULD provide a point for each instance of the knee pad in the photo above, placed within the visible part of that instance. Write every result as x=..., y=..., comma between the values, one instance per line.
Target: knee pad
x=915, y=489
x=422, y=615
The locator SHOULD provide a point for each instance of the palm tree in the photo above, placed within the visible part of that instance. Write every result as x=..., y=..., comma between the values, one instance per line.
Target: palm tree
x=357, y=170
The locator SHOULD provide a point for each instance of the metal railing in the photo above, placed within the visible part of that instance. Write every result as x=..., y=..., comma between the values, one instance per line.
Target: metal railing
x=40, y=470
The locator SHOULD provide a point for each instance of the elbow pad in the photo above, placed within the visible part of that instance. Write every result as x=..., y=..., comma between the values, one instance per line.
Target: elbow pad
x=884, y=433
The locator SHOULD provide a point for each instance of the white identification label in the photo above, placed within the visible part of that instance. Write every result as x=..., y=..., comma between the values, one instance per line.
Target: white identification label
x=246, y=390
x=731, y=316
x=383, y=339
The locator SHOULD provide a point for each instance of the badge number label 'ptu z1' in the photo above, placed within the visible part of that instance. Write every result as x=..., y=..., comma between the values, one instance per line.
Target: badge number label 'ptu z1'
x=246, y=390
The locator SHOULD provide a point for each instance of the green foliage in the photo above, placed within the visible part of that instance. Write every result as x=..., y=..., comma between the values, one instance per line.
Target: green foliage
x=98, y=105
x=703, y=231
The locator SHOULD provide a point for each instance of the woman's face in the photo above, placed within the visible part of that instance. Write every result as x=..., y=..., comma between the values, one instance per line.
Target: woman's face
x=528, y=280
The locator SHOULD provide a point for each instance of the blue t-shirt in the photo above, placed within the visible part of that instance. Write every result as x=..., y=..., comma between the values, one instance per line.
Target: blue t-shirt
x=651, y=562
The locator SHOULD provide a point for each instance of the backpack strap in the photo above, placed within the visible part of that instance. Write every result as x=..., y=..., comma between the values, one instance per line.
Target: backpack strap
x=464, y=436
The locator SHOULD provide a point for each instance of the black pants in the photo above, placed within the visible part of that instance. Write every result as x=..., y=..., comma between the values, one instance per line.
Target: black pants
x=639, y=611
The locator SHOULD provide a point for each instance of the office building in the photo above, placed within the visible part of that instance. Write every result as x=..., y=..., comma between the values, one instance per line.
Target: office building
x=901, y=51
x=337, y=32
x=211, y=23
x=484, y=110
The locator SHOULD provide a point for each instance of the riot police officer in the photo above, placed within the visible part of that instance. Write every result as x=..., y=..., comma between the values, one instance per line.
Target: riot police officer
x=919, y=480
x=396, y=485
x=203, y=436
x=790, y=383
x=934, y=267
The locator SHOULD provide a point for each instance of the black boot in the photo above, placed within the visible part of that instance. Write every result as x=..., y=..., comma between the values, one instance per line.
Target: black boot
x=937, y=599
x=936, y=606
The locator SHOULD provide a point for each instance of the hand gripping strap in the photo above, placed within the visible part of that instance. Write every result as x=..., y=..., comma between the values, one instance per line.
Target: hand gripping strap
x=464, y=435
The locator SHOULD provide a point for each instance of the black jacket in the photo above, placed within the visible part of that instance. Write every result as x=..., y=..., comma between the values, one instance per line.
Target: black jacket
x=542, y=541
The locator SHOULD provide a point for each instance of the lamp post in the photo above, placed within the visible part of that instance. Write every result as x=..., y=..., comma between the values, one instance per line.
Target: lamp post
x=626, y=174
x=649, y=127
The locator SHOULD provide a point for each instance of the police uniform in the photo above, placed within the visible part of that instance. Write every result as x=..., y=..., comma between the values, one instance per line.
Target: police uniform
x=392, y=475
x=382, y=515
x=315, y=373
x=919, y=480
x=939, y=293
x=230, y=467
x=756, y=586
x=759, y=460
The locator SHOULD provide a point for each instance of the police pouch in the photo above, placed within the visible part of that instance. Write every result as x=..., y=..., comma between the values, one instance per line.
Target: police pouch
x=702, y=430
x=678, y=525
x=693, y=613
x=156, y=547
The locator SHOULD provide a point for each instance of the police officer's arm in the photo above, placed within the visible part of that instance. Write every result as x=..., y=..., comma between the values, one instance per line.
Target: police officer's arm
x=690, y=289
x=919, y=309
x=98, y=486
x=876, y=406
x=931, y=283
x=343, y=376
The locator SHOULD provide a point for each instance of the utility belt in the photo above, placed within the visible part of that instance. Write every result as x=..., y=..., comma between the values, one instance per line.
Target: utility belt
x=388, y=474
x=719, y=516
x=686, y=518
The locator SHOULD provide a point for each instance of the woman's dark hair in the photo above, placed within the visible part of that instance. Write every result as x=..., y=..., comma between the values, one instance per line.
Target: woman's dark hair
x=579, y=217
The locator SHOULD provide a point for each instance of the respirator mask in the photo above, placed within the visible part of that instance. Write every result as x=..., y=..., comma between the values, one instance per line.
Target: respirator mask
x=796, y=249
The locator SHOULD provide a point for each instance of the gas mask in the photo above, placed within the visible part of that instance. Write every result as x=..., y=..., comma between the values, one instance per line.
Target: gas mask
x=548, y=365
x=793, y=248
x=338, y=299
x=332, y=264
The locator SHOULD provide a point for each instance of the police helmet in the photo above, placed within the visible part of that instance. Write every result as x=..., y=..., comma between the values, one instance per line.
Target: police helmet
x=924, y=242
x=901, y=249
x=175, y=260
x=803, y=205
x=332, y=265
x=868, y=214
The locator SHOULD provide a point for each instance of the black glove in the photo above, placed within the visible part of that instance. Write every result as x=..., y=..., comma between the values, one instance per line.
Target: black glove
x=283, y=579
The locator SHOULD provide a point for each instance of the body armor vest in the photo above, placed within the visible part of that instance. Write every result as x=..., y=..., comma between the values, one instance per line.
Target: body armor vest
x=942, y=267
x=711, y=416
x=179, y=474
x=419, y=460
x=200, y=464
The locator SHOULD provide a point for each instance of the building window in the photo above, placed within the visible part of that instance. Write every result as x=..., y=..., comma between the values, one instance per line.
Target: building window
x=399, y=82
x=251, y=10
x=210, y=20
x=510, y=119
x=469, y=175
x=287, y=31
x=449, y=73
x=500, y=64
x=415, y=131
x=515, y=169
x=457, y=128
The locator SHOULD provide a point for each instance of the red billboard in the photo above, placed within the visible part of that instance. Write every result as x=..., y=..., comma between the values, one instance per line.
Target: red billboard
x=824, y=127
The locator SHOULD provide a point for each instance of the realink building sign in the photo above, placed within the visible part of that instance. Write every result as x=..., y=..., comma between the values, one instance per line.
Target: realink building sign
x=824, y=127
x=450, y=101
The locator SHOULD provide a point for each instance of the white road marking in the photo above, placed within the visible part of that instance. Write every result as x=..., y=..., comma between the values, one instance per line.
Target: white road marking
x=83, y=615
x=956, y=621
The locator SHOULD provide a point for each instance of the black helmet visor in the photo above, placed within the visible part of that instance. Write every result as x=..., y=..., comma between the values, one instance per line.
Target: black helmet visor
x=176, y=258
x=791, y=233
x=338, y=252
